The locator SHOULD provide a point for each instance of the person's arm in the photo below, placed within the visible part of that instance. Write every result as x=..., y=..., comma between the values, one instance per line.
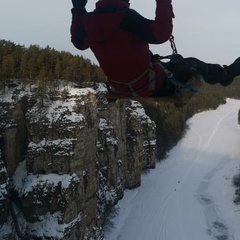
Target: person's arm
x=78, y=34
x=152, y=31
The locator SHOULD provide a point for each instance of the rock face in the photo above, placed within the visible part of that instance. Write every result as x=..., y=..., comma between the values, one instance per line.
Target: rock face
x=72, y=158
x=4, y=191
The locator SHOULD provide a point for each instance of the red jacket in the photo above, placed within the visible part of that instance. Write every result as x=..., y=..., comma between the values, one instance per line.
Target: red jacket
x=119, y=37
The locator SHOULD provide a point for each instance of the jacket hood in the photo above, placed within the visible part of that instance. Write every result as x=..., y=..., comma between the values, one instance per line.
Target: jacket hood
x=103, y=22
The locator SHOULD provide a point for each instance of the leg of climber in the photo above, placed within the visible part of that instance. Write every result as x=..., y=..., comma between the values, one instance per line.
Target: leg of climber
x=212, y=73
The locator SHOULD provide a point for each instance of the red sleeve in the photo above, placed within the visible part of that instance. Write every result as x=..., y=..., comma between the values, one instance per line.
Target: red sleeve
x=78, y=34
x=162, y=26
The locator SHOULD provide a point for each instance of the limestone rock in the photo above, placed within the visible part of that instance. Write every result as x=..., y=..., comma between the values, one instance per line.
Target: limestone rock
x=74, y=155
x=14, y=133
x=141, y=141
x=4, y=191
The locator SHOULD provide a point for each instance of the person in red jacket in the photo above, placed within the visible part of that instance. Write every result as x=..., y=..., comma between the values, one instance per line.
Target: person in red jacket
x=119, y=38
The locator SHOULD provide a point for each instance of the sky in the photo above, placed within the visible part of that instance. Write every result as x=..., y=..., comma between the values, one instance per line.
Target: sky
x=206, y=29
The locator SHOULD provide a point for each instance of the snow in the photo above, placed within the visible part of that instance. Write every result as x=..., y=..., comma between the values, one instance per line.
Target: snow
x=9, y=96
x=107, y=126
x=25, y=183
x=137, y=111
x=101, y=88
x=3, y=190
x=66, y=146
x=104, y=124
x=73, y=92
x=189, y=196
x=49, y=226
x=59, y=109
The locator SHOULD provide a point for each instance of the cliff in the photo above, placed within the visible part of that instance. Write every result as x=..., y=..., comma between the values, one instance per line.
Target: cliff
x=65, y=160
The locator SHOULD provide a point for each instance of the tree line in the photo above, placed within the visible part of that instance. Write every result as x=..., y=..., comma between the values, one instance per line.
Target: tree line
x=45, y=66
x=37, y=65
x=171, y=121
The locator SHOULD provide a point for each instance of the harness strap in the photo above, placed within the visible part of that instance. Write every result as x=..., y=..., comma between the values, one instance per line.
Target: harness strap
x=151, y=84
x=152, y=75
x=171, y=80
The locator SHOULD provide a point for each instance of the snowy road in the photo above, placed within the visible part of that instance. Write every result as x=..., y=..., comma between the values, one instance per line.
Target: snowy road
x=190, y=195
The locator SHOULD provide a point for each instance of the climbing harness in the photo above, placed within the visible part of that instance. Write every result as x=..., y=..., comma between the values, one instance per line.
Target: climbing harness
x=178, y=85
x=152, y=76
x=171, y=80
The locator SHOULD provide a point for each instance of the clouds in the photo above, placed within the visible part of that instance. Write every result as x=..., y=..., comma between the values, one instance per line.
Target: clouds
x=207, y=29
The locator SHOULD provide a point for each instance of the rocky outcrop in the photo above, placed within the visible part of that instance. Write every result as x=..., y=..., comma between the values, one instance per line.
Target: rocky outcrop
x=73, y=157
x=4, y=191
x=14, y=132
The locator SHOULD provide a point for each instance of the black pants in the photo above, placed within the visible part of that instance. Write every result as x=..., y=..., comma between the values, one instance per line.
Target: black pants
x=184, y=68
x=212, y=73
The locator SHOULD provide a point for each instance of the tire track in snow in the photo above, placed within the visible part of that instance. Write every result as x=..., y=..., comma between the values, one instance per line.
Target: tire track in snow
x=217, y=126
x=172, y=210
x=214, y=131
x=153, y=211
x=172, y=193
x=201, y=149
x=216, y=227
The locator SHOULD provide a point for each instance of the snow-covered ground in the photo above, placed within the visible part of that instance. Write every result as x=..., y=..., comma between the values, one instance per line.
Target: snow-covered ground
x=190, y=195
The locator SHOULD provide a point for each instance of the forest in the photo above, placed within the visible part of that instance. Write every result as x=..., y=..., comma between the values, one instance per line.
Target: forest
x=44, y=66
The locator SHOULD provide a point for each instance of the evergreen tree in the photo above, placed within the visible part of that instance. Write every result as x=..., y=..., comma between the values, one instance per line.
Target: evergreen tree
x=34, y=62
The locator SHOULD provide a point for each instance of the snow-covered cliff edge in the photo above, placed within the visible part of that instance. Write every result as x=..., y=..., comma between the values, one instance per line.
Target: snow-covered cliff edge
x=66, y=159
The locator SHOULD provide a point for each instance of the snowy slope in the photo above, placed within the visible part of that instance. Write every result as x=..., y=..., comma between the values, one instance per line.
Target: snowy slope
x=190, y=195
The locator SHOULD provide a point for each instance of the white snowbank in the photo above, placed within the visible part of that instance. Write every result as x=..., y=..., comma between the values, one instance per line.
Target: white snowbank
x=190, y=195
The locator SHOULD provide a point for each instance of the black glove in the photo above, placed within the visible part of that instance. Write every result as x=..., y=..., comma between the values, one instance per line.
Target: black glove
x=79, y=4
